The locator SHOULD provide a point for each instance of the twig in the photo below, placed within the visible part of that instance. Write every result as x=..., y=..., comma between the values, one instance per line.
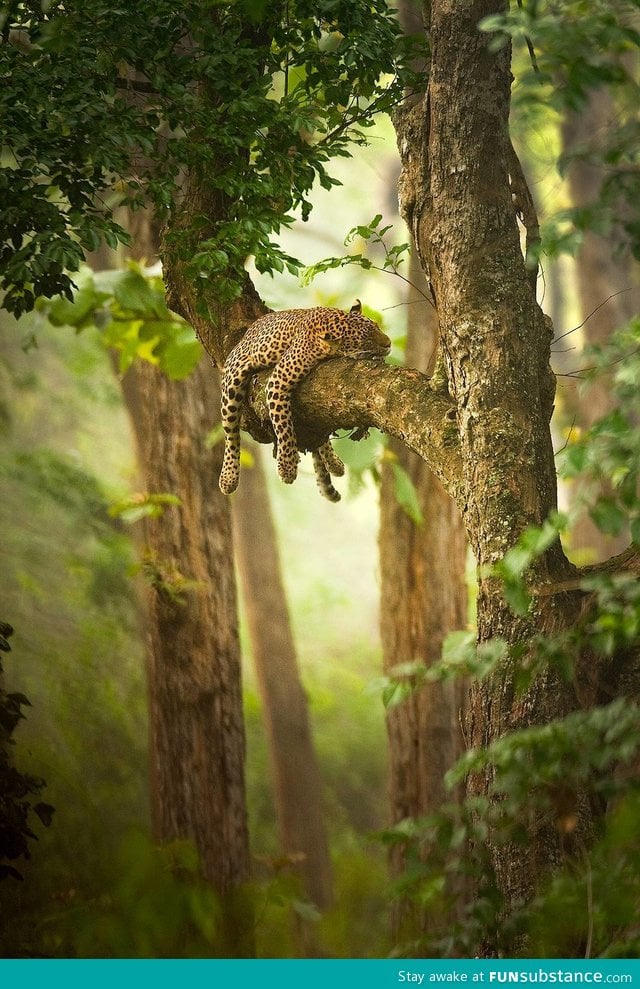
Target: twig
x=580, y=325
x=594, y=367
x=566, y=442
x=531, y=49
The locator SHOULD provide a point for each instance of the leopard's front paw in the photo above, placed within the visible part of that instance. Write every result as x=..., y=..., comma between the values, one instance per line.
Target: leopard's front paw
x=228, y=484
x=230, y=473
x=288, y=465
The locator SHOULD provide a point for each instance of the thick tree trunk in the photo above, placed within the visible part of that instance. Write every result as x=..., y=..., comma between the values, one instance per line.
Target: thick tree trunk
x=423, y=597
x=604, y=269
x=197, y=733
x=196, y=727
x=297, y=783
x=457, y=199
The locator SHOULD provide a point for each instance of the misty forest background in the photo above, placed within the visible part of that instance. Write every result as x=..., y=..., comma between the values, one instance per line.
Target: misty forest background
x=73, y=591
x=73, y=597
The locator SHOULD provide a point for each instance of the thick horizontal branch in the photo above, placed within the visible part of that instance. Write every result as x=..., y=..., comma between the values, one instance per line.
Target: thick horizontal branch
x=346, y=393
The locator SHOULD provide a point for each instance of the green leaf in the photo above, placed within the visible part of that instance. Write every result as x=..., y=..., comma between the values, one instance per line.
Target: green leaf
x=517, y=596
x=181, y=353
x=463, y=657
x=45, y=812
x=397, y=691
x=134, y=293
x=458, y=648
x=79, y=312
x=608, y=516
x=307, y=911
x=406, y=494
x=574, y=459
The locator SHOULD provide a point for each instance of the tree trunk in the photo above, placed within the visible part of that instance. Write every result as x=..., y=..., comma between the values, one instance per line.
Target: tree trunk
x=423, y=597
x=297, y=784
x=197, y=744
x=604, y=268
x=456, y=197
x=196, y=726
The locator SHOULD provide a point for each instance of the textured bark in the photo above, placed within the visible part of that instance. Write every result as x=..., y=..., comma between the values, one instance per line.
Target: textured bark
x=423, y=597
x=196, y=728
x=297, y=783
x=603, y=269
x=494, y=337
x=456, y=196
x=197, y=743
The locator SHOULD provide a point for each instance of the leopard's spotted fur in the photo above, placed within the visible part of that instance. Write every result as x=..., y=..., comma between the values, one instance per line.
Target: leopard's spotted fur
x=291, y=342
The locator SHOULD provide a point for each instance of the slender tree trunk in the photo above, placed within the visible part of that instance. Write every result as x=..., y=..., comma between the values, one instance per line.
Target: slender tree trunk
x=297, y=783
x=604, y=268
x=423, y=597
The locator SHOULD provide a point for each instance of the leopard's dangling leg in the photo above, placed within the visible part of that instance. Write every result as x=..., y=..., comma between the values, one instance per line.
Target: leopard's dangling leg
x=290, y=369
x=279, y=404
x=235, y=380
x=331, y=459
x=323, y=476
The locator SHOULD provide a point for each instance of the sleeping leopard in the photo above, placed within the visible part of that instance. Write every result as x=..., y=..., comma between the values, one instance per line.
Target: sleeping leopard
x=291, y=342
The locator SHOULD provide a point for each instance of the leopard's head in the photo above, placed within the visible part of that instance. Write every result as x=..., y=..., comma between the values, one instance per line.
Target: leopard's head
x=354, y=335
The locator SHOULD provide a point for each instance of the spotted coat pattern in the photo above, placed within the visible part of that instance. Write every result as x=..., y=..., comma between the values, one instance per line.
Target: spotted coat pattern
x=291, y=342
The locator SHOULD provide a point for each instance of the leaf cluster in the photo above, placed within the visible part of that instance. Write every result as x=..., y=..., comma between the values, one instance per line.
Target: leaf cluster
x=106, y=106
x=607, y=456
x=391, y=257
x=156, y=905
x=538, y=777
x=129, y=308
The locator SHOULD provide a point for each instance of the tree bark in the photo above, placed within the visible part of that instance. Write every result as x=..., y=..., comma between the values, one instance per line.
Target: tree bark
x=297, y=783
x=456, y=197
x=197, y=744
x=196, y=726
x=495, y=341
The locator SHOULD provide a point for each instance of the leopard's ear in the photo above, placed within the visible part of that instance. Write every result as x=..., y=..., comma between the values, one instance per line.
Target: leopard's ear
x=357, y=307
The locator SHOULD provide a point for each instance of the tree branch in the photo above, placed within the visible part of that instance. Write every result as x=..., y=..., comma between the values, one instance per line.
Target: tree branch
x=340, y=393
x=346, y=393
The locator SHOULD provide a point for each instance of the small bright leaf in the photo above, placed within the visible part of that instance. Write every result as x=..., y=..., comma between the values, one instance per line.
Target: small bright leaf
x=406, y=494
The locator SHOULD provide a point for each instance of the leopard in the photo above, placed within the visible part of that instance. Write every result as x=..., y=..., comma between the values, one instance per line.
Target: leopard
x=291, y=342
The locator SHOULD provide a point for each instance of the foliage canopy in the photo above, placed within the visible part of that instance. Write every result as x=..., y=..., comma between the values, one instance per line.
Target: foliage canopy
x=105, y=106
